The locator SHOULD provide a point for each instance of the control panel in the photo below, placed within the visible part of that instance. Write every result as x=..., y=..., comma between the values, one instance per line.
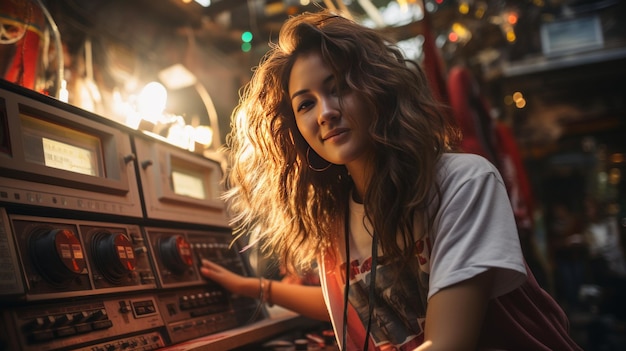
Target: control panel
x=202, y=307
x=64, y=258
x=99, y=251
x=76, y=324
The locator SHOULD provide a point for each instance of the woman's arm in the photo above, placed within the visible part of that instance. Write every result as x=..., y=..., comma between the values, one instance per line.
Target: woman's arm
x=455, y=315
x=305, y=300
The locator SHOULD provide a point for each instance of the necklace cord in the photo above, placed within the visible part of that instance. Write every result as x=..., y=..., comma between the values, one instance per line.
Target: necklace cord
x=344, y=337
x=372, y=287
x=372, y=300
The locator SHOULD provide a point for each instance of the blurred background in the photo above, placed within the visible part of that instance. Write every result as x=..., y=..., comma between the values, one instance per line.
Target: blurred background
x=538, y=87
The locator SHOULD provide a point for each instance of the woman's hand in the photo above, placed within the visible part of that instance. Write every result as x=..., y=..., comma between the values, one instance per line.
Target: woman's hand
x=305, y=300
x=232, y=282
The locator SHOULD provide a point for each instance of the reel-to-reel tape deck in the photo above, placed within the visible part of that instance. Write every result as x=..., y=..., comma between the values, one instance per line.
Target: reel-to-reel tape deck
x=99, y=246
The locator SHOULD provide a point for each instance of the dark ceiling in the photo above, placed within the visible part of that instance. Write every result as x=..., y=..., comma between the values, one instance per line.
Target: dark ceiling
x=139, y=38
x=140, y=22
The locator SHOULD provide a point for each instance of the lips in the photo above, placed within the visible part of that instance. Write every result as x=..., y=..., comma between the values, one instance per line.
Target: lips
x=334, y=133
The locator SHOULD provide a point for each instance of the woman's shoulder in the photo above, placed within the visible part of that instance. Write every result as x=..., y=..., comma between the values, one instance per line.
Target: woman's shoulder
x=464, y=165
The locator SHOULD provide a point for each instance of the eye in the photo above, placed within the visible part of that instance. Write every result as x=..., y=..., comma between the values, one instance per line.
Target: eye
x=303, y=105
x=333, y=89
x=338, y=89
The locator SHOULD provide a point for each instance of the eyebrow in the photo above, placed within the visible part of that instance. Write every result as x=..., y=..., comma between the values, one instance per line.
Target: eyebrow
x=303, y=91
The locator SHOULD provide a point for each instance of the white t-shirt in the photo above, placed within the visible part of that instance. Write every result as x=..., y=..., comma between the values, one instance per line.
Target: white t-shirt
x=474, y=230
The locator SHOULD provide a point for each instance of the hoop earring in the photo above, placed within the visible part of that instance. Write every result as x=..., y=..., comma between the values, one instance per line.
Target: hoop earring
x=308, y=161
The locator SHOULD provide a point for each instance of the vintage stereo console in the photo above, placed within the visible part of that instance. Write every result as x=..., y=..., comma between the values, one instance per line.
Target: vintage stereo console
x=53, y=158
x=102, y=232
x=178, y=185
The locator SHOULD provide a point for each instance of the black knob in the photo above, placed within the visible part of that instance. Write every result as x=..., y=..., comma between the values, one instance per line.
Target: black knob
x=57, y=254
x=176, y=253
x=114, y=255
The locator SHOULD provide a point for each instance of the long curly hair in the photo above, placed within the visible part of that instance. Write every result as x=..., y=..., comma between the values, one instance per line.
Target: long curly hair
x=295, y=211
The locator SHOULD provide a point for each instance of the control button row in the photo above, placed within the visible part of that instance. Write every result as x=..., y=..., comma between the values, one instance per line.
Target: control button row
x=202, y=299
x=50, y=334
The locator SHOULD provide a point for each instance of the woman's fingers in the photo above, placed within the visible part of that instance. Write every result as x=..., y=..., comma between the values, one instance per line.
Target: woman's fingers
x=220, y=275
x=210, y=265
x=211, y=270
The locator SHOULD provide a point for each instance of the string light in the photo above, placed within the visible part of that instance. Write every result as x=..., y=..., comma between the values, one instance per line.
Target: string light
x=246, y=38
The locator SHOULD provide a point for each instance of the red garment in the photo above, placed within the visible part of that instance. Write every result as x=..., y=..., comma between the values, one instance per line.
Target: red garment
x=492, y=139
x=515, y=175
x=472, y=115
x=433, y=64
x=528, y=318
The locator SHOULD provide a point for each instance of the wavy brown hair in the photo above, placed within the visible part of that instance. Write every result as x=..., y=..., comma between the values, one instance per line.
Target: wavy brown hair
x=296, y=211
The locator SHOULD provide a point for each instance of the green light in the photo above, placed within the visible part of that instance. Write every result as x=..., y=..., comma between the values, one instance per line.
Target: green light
x=245, y=47
x=246, y=37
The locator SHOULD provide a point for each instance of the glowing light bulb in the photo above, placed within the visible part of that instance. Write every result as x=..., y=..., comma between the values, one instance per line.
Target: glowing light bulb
x=151, y=101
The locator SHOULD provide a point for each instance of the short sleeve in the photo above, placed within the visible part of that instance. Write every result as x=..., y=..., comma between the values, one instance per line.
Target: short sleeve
x=474, y=228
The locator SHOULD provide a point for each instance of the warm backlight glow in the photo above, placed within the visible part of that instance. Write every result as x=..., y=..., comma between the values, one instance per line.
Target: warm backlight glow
x=152, y=100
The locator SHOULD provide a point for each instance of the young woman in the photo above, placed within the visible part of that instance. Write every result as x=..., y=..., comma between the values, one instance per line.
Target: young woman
x=340, y=156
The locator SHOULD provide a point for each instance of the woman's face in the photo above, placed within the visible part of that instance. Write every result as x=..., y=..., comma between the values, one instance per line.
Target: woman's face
x=338, y=133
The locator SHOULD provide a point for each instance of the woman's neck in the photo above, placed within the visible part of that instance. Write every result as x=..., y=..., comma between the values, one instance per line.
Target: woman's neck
x=356, y=197
x=361, y=174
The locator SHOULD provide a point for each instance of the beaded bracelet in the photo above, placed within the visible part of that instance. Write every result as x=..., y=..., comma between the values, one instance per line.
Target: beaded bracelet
x=261, y=290
x=265, y=291
x=269, y=294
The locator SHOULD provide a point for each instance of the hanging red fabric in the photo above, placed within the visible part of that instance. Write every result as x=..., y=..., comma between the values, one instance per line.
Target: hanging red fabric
x=433, y=64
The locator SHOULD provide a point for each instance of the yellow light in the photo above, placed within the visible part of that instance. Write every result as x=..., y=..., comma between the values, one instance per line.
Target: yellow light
x=464, y=8
x=457, y=27
x=510, y=36
x=517, y=96
x=461, y=31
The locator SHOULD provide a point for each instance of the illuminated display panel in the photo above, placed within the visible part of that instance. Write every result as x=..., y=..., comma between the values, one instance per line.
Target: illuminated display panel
x=69, y=157
x=188, y=183
x=56, y=146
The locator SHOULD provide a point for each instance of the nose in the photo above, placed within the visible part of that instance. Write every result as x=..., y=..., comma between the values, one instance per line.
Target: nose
x=329, y=111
